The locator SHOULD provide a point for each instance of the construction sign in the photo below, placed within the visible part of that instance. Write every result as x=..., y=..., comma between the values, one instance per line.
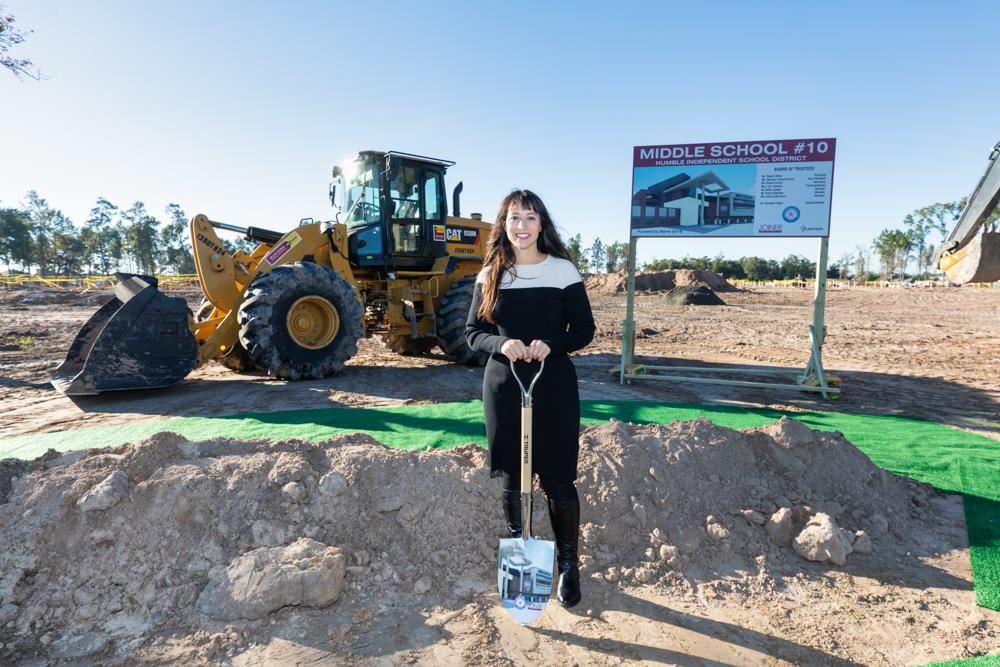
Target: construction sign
x=742, y=188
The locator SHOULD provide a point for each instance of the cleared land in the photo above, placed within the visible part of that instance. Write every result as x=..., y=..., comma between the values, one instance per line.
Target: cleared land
x=929, y=353
x=678, y=567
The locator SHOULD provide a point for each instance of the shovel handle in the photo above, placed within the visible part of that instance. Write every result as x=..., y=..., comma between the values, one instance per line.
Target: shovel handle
x=526, y=393
x=526, y=417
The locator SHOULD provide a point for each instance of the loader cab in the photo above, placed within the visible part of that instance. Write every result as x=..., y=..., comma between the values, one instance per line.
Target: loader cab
x=396, y=209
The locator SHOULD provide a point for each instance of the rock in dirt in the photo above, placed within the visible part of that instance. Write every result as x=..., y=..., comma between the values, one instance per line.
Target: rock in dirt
x=423, y=585
x=332, y=484
x=879, y=524
x=790, y=434
x=305, y=573
x=105, y=494
x=779, y=527
x=822, y=540
x=863, y=543
x=294, y=491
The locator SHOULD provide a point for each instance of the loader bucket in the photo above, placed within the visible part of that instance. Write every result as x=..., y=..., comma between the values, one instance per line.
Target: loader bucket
x=139, y=340
x=977, y=262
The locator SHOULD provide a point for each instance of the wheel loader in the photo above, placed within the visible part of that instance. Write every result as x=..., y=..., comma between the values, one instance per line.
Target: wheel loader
x=393, y=264
x=971, y=253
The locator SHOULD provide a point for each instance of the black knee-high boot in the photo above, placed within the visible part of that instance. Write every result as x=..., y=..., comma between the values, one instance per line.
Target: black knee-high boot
x=512, y=512
x=564, y=513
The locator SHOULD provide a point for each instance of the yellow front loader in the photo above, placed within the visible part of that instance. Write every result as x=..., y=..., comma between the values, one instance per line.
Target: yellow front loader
x=398, y=266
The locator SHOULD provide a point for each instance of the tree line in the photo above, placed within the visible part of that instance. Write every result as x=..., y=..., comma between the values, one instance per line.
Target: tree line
x=895, y=253
x=613, y=257
x=909, y=251
x=36, y=238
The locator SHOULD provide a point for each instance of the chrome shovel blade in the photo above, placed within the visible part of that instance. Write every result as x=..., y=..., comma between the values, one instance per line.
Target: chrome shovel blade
x=524, y=577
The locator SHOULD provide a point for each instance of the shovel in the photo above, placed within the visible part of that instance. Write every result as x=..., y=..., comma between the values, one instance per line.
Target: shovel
x=524, y=567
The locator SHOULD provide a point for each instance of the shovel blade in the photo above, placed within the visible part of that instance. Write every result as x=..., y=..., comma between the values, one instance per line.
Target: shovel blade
x=524, y=577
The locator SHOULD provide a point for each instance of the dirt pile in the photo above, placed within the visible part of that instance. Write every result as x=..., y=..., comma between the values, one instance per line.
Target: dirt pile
x=693, y=296
x=692, y=501
x=108, y=549
x=203, y=547
x=656, y=281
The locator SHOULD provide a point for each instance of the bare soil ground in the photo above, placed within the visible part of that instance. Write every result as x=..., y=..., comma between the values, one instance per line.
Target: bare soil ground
x=930, y=353
x=734, y=597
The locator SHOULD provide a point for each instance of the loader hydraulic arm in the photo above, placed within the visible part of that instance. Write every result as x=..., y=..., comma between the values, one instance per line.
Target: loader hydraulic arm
x=255, y=234
x=225, y=276
x=222, y=277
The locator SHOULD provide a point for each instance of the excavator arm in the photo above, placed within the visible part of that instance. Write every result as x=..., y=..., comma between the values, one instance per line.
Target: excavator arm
x=971, y=254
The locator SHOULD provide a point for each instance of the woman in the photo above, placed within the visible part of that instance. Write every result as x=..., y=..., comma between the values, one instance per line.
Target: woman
x=530, y=305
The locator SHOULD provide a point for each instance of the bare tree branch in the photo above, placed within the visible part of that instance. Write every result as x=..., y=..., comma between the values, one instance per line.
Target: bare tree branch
x=12, y=36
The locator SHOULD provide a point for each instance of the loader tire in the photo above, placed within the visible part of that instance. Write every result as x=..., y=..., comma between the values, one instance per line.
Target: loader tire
x=407, y=346
x=300, y=321
x=451, y=318
x=237, y=358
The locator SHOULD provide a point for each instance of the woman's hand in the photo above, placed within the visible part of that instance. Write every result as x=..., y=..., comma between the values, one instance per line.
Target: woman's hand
x=538, y=350
x=515, y=350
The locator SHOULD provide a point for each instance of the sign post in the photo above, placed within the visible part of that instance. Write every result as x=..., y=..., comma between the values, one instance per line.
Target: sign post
x=814, y=375
x=628, y=326
x=775, y=188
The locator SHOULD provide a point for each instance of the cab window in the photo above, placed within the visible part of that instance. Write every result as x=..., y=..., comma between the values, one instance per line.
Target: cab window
x=404, y=210
x=364, y=182
x=404, y=192
x=432, y=195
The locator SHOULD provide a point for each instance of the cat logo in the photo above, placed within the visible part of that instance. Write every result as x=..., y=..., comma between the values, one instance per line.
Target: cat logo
x=462, y=235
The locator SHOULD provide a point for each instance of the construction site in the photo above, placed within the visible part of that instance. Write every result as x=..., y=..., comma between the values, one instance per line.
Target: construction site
x=483, y=334
x=249, y=520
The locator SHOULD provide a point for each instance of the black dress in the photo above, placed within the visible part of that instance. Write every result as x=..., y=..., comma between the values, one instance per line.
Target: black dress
x=545, y=301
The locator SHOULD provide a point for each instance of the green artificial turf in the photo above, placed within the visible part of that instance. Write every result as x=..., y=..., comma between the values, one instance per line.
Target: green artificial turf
x=982, y=661
x=950, y=460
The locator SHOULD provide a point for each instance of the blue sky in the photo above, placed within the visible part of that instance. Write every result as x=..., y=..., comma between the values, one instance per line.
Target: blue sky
x=239, y=110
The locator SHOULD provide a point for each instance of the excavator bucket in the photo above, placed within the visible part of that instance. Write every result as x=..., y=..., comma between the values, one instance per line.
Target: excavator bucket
x=140, y=339
x=977, y=262
x=971, y=253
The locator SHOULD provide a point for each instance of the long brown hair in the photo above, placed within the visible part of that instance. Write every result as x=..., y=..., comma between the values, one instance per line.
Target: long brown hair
x=500, y=252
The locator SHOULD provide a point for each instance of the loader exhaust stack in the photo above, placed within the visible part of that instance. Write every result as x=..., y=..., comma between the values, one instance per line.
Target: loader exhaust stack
x=141, y=339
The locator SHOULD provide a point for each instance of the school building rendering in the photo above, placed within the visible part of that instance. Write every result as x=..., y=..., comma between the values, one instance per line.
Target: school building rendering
x=683, y=200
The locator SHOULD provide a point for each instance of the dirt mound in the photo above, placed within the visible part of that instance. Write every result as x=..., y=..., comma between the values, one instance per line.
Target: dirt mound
x=657, y=281
x=695, y=500
x=179, y=551
x=693, y=296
